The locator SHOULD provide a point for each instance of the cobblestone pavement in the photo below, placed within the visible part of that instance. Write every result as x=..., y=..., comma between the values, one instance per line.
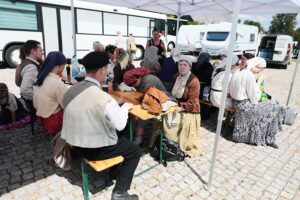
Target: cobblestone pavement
x=242, y=172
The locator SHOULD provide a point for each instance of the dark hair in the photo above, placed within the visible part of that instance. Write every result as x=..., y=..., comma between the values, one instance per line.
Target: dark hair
x=4, y=89
x=110, y=49
x=29, y=45
x=155, y=30
x=248, y=55
x=22, y=53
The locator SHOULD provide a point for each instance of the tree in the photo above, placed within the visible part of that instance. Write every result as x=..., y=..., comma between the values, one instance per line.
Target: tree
x=254, y=23
x=297, y=34
x=283, y=23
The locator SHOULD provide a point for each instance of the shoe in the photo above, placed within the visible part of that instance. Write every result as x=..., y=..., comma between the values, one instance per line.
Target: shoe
x=123, y=196
x=273, y=145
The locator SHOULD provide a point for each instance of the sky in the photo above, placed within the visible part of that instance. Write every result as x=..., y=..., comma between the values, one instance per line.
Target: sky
x=264, y=19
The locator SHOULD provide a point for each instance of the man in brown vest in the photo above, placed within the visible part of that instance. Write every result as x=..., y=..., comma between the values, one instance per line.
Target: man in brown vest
x=27, y=71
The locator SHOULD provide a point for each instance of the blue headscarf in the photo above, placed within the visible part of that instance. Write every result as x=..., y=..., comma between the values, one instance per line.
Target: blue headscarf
x=53, y=59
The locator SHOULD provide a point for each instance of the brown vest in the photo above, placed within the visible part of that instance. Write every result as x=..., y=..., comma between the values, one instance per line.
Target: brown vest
x=25, y=62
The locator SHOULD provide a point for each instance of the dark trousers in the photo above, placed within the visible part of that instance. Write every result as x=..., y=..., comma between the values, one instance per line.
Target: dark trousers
x=125, y=148
x=29, y=105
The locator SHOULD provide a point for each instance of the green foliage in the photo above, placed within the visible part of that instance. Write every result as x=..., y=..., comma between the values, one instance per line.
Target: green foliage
x=195, y=23
x=254, y=23
x=283, y=23
x=297, y=35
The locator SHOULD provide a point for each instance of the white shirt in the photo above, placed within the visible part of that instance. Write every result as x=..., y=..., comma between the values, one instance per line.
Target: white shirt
x=116, y=116
x=243, y=86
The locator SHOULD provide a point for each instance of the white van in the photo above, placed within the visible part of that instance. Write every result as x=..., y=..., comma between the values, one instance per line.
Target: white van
x=276, y=49
x=190, y=37
x=218, y=35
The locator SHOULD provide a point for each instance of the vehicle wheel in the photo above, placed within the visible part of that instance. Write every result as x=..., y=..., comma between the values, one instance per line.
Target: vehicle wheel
x=11, y=55
x=171, y=46
x=284, y=66
x=139, y=54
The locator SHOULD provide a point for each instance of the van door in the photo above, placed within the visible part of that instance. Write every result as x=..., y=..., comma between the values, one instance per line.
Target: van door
x=280, y=50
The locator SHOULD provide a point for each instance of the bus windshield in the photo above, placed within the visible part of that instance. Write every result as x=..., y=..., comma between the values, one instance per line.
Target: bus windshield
x=217, y=36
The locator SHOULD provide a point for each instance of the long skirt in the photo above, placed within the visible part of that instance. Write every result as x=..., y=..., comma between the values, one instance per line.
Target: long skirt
x=185, y=130
x=256, y=123
x=53, y=124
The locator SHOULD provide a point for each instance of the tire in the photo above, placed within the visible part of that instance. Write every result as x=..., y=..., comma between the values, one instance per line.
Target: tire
x=171, y=46
x=139, y=54
x=11, y=55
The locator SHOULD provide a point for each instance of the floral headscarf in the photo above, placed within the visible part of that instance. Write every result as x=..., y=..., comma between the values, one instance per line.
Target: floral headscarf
x=131, y=76
x=122, y=57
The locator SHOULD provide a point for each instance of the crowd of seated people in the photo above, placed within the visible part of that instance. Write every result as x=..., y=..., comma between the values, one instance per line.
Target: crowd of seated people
x=90, y=124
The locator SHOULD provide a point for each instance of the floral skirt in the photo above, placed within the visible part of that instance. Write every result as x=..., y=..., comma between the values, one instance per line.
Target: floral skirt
x=256, y=124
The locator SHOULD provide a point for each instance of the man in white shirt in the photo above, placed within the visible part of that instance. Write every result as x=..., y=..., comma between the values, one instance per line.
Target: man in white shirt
x=91, y=119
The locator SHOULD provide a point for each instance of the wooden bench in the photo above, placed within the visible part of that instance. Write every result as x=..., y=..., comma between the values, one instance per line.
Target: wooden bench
x=229, y=120
x=99, y=165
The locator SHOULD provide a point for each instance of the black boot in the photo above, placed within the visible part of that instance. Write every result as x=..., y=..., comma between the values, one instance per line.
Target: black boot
x=116, y=195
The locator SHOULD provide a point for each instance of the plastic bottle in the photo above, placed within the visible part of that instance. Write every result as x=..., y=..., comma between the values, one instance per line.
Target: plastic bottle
x=75, y=67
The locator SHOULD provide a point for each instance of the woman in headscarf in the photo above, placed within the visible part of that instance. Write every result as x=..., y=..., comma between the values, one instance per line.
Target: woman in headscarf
x=49, y=91
x=217, y=81
x=203, y=69
x=252, y=65
x=255, y=122
x=122, y=65
x=150, y=60
x=186, y=89
x=141, y=78
x=169, y=69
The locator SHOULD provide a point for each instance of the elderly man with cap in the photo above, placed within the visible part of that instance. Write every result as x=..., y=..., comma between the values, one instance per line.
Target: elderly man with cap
x=91, y=119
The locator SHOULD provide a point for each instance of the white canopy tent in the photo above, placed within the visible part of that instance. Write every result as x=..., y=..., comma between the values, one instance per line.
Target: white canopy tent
x=211, y=7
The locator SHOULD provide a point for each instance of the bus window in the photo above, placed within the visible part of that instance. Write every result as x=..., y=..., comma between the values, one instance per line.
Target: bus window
x=115, y=22
x=18, y=16
x=137, y=26
x=89, y=21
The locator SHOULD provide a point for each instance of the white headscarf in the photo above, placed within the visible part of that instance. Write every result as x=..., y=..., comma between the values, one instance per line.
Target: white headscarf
x=256, y=61
x=175, y=53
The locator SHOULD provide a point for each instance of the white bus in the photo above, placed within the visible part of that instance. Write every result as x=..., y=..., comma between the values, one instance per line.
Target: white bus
x=49, y=21
x=171, y=31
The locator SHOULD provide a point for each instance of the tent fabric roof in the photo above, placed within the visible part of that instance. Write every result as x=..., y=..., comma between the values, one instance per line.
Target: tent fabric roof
x=200, y=7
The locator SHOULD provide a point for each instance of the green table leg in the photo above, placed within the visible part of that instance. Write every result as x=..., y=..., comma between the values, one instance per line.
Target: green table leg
x=85, y=181
x=160, y=142
x=130, y=131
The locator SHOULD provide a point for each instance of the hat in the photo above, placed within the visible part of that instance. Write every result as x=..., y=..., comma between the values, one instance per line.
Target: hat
x=256, y=62
x=121, y=57
x=131, y=76
x=186, y=58
x=95, y=60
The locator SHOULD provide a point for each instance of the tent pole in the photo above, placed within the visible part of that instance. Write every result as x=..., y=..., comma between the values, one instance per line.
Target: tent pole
x=293, y=80
x=236, y=11
x=73, y=27
x=177, y=25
